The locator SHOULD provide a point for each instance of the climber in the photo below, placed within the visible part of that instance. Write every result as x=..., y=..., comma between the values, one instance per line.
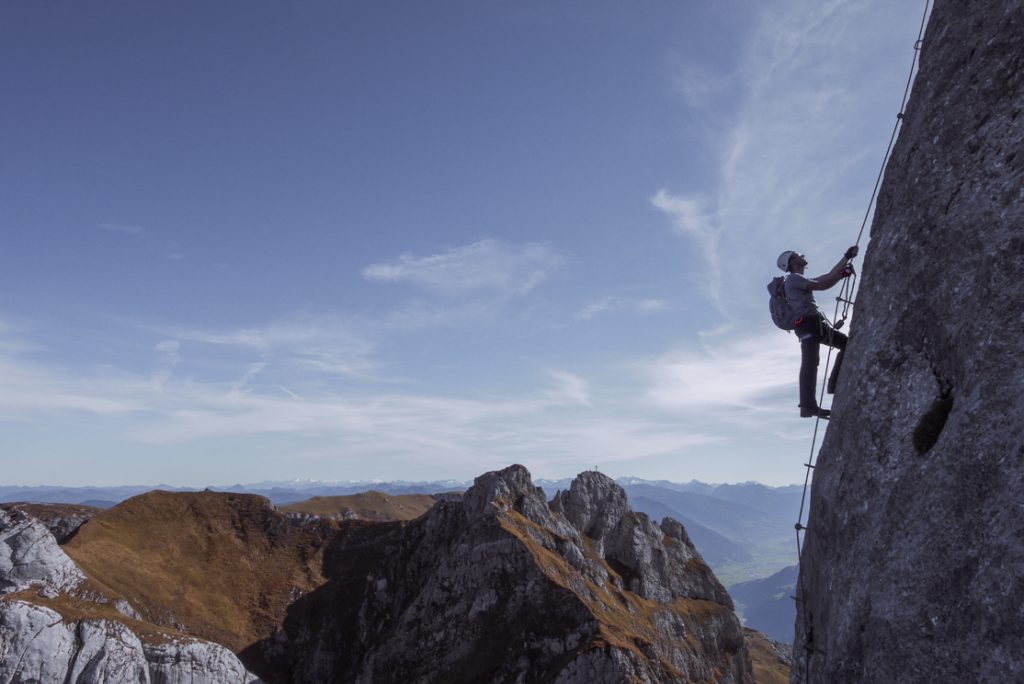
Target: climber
x=812, y=329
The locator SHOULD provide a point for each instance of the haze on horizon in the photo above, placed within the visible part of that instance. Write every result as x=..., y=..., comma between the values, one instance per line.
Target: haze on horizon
x=249, y=241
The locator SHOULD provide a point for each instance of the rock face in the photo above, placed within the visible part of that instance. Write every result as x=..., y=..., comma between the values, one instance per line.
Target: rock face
x=63, y=520
x=30, y=556
x=912, y=570
x=500, y=587
x=39, y=643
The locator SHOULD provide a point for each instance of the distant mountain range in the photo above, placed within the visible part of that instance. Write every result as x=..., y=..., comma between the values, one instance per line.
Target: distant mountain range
x=279, y=492
x=289, y=491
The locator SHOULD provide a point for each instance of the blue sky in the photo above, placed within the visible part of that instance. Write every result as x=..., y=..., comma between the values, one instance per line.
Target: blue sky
x=255, y=240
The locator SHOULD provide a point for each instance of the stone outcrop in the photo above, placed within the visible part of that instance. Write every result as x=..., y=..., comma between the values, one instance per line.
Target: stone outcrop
x=37, y=645
x=63, y=520
x=190, y=661
x=912, y=566
x=647, y=556
x=502, y=587
x=30, y=556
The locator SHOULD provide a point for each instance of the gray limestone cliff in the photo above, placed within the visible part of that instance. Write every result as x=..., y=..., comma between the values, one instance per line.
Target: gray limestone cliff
x=30, y=557
x=913, y=569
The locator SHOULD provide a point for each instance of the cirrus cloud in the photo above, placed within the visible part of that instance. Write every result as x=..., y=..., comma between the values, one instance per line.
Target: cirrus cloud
x=484, y=266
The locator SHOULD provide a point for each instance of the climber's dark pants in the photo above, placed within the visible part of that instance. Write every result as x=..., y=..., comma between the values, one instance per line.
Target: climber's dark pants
x=813, y=332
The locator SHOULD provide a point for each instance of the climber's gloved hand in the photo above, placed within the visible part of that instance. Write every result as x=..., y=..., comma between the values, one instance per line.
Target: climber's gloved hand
x=852, y=252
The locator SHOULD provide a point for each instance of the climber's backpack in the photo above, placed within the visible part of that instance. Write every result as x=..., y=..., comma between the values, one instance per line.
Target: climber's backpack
x=778, y=305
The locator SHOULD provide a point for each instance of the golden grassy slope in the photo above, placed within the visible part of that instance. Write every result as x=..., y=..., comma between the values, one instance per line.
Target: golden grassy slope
x=224, y=567
x=770, y=667
x=366, y=506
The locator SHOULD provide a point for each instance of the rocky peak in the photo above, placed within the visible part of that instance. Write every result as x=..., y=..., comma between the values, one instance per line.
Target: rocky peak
x=594, y=504
x=646, y=556
x=499, y=489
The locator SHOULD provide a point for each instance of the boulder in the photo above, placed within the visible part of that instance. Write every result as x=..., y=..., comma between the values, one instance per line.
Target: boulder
x=38, y=645
x=30, y=555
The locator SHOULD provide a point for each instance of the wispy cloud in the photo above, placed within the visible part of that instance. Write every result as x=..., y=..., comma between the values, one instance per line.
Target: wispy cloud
x=318, y=343
x=123, y=228
x=691, y=217
x=571, y=387
x=173, y=251
x=557, y=425
x=612, y=304
x=33, y=391
x=652, y=305
x=811, y=104
x=700, y=87
x=488, y=266
x=596, y=308
x=244, y=383
x=732, y=376
x=169, y=356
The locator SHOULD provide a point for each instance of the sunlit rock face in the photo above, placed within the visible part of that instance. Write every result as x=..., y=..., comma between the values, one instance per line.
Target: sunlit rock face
x=30, y=556
x=913, y=569
x=502, y=587
x=38, y=645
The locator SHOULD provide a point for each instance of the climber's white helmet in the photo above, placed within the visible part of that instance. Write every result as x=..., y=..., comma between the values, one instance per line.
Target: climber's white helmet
x=783, y=261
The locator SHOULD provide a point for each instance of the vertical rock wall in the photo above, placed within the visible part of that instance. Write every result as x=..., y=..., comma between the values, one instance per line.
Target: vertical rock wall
x=913, y=568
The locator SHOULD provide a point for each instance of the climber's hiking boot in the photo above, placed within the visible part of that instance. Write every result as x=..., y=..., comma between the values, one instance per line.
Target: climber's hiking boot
x=815, y=412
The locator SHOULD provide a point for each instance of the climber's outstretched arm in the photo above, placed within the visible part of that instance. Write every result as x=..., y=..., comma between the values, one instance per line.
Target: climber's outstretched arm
x=838, y=272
